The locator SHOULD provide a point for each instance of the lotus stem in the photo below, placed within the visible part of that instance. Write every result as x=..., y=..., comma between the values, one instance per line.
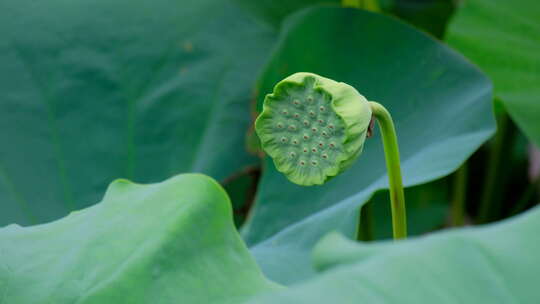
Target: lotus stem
x=391, y=154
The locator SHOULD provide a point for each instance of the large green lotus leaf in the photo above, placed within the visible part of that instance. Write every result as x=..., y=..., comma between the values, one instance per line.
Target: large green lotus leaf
x=93, y=90
x=503, y=38
x=493, y=264
x=441, y=105
x=171, y=242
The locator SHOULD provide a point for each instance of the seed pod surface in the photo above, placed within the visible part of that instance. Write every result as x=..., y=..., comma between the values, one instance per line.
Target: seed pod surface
x=313, y=127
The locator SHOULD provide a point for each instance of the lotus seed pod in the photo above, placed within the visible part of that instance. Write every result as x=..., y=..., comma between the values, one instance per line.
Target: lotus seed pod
x=313, y=127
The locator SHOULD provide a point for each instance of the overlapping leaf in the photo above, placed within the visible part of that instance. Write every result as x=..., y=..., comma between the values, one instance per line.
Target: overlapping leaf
x=494, y=264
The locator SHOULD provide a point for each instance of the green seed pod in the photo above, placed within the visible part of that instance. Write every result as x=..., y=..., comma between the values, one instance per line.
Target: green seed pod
x=313, y=127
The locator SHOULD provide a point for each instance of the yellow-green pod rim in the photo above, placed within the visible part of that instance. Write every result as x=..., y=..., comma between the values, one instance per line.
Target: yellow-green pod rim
x=313, y=127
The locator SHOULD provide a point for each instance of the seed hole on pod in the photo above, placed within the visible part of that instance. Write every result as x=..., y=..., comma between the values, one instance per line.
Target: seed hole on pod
x=283, y=139
x=306, y=123
x=306, y=137
x=324, y=156
x=280, y=126
x=332, y=145
x=324, y=133
x=311, y=113
x=331, y=126
x=314, y=150
x=314, y=129
x=314, y=163
x=284, y=112
x=295, y=142
x=321, y=144
x=305, y=150
x=310, y=98
x=321, y=121
x=296, y=102
x=296, y=115
x=322, y=108
x=302, y=163
x=292, y=127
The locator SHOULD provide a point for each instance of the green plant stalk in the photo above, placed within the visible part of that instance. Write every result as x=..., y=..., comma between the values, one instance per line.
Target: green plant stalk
x=457, y=211
x=490, y=203
x=391, y=154
x=365, y=223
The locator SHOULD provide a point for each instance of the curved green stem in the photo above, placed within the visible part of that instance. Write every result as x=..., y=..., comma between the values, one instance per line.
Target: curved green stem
x=391, y=154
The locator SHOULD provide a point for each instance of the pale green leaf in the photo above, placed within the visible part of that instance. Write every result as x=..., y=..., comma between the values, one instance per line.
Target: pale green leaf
x=171, y=242
x=492, y=264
